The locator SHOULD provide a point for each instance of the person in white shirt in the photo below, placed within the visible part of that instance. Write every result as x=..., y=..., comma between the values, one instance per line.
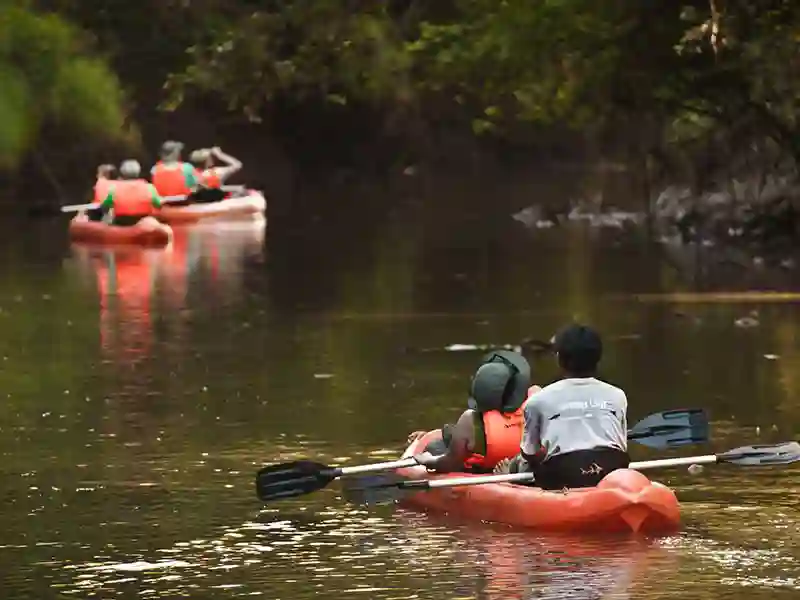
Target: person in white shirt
x=575, y=430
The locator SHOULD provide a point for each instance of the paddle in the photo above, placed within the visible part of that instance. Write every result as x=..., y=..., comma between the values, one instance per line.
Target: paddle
x=746, y=456
x=95, y=205
x=667, y=429
x=165, y=199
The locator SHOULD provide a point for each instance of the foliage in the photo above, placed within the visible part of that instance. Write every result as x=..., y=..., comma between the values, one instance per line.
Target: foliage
x=687, y=69
x=49, y=79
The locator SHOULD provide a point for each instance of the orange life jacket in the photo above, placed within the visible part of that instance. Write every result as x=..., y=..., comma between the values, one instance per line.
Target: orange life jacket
x=503, y=435
x=133, y=198
x=101, y=189
x=211, y=178
x=169, y=180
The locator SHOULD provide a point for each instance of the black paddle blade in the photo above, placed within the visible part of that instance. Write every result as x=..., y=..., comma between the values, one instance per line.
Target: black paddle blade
x=762, y=455
x=373, y=490
x=671, y=429
x=287, y=480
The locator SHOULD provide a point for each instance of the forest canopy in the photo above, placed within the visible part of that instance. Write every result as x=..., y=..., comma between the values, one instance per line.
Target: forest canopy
x=683, y=69
x=50, y=79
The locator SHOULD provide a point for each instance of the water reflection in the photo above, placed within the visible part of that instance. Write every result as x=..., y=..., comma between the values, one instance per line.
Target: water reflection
x=131, y=281
x=225, y=364
x=349, y=551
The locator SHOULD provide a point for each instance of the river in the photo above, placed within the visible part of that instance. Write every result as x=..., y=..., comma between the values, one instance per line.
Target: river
x=144, y=389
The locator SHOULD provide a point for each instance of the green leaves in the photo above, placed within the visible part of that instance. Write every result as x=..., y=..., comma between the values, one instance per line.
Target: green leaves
x=46, y=77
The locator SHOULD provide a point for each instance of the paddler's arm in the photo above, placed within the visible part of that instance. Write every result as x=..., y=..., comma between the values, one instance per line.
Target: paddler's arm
x=156, y=198
x=107, y=207
x=531, y=442
x=108, y=202
x=191, y=178
x=232, y=165
x=462, y=442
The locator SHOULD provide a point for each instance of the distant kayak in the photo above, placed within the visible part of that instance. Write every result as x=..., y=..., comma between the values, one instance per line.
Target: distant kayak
x=251, y=204
x=148, y=233
x=624, y=501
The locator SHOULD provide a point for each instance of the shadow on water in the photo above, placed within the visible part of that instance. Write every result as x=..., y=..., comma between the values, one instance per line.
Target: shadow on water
x=143, y=389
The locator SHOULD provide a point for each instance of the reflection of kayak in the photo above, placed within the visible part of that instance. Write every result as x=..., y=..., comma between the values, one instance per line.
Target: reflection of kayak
x=525, y=564
x=125, y=278
x=624, y=501
x=147, y=233
x=247, y=206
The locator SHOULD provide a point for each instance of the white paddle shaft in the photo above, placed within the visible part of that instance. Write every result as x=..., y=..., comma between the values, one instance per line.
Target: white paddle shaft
x=384, y=466
x=95, y=205
x=521, y=477
x=643, y=465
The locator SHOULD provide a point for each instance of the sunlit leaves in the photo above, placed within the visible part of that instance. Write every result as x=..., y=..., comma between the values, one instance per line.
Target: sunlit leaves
x=46, y=77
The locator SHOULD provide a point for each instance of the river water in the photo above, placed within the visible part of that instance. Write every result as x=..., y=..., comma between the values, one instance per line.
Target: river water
x=144, y=389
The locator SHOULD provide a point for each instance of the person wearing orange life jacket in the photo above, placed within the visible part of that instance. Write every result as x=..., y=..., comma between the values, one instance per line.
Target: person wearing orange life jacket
x=490, y=430
x=170, y=175
x=105, y=179
x=131, y=198
x=212, y=177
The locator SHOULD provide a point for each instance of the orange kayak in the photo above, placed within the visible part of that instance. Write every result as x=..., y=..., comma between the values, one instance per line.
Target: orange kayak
x=148, y=233
x=624, y=501
x=252, y=204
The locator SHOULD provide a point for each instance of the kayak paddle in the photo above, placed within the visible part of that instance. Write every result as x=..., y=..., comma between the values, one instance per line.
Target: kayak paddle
x=667, y=429
x=165, y=199
x=746, y=456
x=96, y=205
x=297, y=478
x=671, y=429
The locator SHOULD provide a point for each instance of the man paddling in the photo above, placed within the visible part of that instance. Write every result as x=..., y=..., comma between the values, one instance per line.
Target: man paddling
x=575, y=429
x=491, y=427
x=171, y=176
x=214, y=175
x=131, y=198
x=210, y=177
x=105, y=179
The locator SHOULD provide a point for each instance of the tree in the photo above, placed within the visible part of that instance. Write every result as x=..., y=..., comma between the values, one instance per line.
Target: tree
x=50, y=79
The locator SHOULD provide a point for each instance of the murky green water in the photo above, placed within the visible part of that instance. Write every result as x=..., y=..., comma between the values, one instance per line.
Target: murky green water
x=142, y=391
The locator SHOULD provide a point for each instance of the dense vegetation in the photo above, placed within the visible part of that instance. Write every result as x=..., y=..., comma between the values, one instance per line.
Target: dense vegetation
x=670, y=73
x=49, y=79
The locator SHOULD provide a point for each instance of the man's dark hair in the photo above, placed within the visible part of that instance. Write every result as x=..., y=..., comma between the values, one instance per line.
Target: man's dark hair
x=579, y=350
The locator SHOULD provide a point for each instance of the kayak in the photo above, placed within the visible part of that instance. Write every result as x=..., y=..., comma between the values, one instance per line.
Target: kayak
x=252, y=204
x=624, y=501
x=147, y=233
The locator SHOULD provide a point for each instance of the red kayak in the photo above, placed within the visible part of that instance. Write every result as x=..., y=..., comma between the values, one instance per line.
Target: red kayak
x=147, y=233
x=248, y=206
x=624, y=501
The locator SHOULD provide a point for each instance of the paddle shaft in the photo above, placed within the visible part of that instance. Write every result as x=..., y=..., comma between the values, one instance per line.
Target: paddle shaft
x=165, y=199
x=412, y=462
x=95, y=205
x=384, y=466
x=522, y=477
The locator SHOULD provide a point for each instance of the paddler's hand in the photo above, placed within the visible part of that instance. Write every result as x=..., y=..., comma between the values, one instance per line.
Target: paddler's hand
x=426, y=459
x=503, y=467
x=415, y=435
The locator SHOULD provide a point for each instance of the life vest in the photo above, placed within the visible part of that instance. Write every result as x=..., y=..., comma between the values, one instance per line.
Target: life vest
x=503, y=435
x=132, y=198
x=211, y=178
x=101, y=189
x=170, y=179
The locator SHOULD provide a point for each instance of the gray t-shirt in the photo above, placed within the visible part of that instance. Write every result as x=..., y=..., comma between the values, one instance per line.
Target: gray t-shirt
x=575, y=414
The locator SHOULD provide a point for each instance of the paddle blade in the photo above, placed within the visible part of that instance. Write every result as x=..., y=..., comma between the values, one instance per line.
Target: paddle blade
x=762, y=455
x=287, y=480
x=671, y=429
x=373, y=490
